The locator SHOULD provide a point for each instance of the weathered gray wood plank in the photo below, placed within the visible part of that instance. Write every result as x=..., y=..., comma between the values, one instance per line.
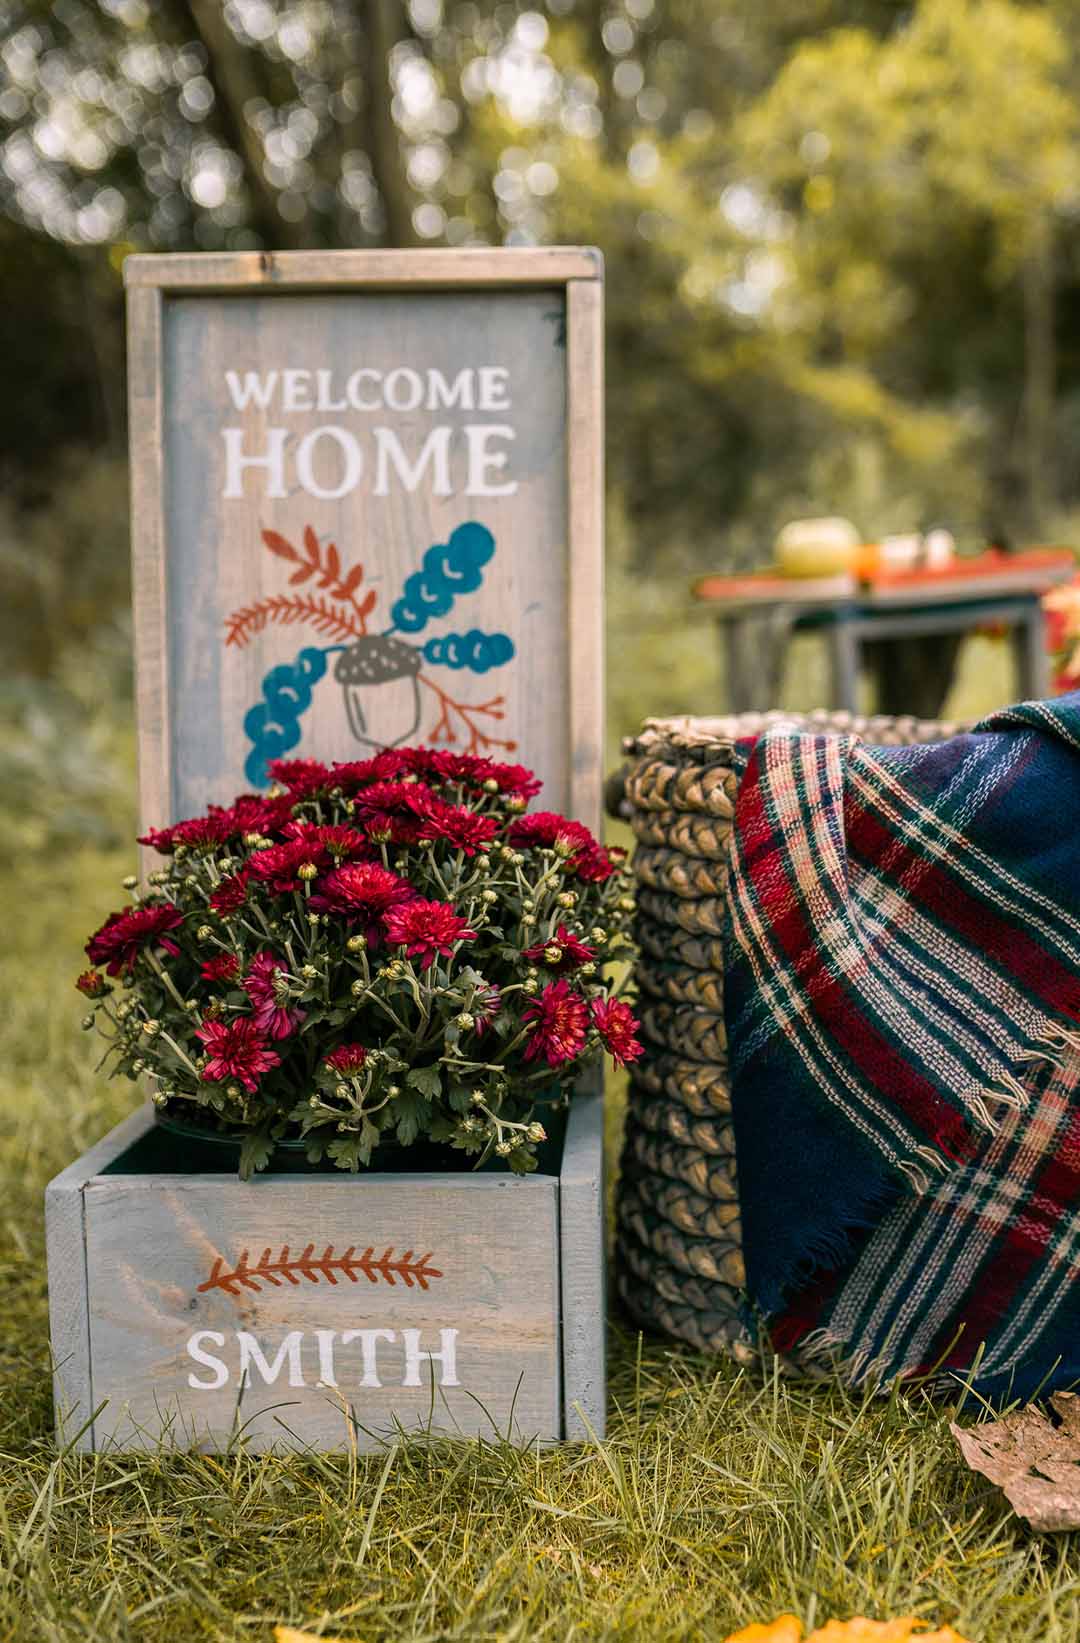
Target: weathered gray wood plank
x=170, y=1337
x=65, y=1247
x=582, y=1265
x=437, y=267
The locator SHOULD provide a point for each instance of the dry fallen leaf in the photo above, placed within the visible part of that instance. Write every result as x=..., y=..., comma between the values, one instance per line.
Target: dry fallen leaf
x=289, y=1634
x=786, y=1629
x=1036, y=1463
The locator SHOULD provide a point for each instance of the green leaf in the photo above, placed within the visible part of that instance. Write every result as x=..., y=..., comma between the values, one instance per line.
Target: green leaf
x=256, y=1150
x=411, y=1113
x=428, y=1080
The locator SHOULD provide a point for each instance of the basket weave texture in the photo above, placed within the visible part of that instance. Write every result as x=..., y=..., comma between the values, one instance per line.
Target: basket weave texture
x=679, y=1266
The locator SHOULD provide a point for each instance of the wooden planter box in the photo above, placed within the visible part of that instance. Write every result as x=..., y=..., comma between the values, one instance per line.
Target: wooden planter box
x=320, y=1311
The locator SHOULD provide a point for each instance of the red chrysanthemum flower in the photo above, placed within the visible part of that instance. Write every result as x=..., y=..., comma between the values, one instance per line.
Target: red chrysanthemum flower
x=157, y=838
x=124, y=935
x=347, y=1058
x=92, y=984
x=362, y=890
x=231, y=893
x=617, y=1025
x=272, y=1015
x=237, y=1050
x=459, y=827
x=548, y=830
x=425, y=929
x=302, y=777
x=205, y=832
x=557, y=1024
x=250, y=813
x=569, y=951
x=343, y=843
x=221, y=968
x=515, y=779
x=278, y=865
x=485, y=1006
x=594, y=866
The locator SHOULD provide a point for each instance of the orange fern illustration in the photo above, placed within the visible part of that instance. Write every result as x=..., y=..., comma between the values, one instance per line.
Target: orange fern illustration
x=410, y=1268
x=336, y=622
x=324, y=565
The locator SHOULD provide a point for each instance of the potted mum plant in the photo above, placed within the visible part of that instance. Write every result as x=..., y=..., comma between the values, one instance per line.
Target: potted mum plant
x=377, y=955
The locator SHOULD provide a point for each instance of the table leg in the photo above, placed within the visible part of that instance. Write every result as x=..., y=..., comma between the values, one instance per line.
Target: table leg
x=752, y=650
x=1029, y=648
x=844, y=664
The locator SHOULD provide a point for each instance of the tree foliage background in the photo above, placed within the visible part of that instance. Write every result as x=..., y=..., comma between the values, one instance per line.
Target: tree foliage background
x=842, y=242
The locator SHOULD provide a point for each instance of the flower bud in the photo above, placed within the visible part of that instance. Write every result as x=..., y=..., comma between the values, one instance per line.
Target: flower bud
x=356, y=944
x=358, y=988
x=341, y=1091
x=529, y=986
x=129, y=881
x=517, y=859
x=625, y=904
x=392, y=1090
x=588, y=969
x=537, y=1132
x=307, y=871
x=491, y=785
x=465, y=1021
x=488, y=896
x=567, y=899
x=553, y=954
x=516, y=803
x=309, y=972
x=87, y=1023
x=203, y=933
x=313, y=918
x=598, y=935
x=151, y=1027
x=526, y=920
x=503, y=1148
x=159, y=1098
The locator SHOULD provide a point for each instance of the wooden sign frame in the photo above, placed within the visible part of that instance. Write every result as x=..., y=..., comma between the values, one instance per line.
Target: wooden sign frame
x=154, y=281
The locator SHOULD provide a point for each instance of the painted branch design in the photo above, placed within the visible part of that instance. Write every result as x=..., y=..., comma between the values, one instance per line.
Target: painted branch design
x=292, y=1269
x=325, y=566
x=336, y=622
x=451, y=710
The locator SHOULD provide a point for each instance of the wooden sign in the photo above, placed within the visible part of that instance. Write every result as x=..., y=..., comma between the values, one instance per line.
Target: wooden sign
x=319, y=1310
x=366, y=510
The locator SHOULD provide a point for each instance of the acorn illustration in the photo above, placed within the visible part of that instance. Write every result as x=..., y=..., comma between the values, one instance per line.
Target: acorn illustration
x=379, y=676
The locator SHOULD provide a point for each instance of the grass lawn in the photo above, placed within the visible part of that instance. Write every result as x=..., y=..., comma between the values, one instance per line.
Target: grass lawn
x=717, y=1499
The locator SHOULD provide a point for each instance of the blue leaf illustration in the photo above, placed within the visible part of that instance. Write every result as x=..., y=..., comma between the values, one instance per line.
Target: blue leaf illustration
x=449, y=569
x=274, y=723
x=475, y=650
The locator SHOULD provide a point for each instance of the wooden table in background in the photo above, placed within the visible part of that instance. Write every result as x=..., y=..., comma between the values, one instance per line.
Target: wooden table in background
x=756, y=617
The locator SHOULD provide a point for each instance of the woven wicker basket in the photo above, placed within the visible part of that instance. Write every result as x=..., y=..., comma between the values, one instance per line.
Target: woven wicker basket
x=679, y=1266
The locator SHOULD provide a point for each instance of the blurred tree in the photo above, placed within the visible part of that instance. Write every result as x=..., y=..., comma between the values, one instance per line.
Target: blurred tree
x=841, y=235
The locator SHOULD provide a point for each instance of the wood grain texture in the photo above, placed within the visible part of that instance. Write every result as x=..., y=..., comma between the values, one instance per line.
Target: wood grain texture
x=162, y=1253
x=435, y=268
x=585, y=451
x=148, y=552
x=65, y=1249
x=140, y=1264
x=204, y=574
x=582, y=1266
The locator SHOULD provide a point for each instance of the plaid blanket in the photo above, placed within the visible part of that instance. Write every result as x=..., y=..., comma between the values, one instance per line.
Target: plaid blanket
x=902, y=997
